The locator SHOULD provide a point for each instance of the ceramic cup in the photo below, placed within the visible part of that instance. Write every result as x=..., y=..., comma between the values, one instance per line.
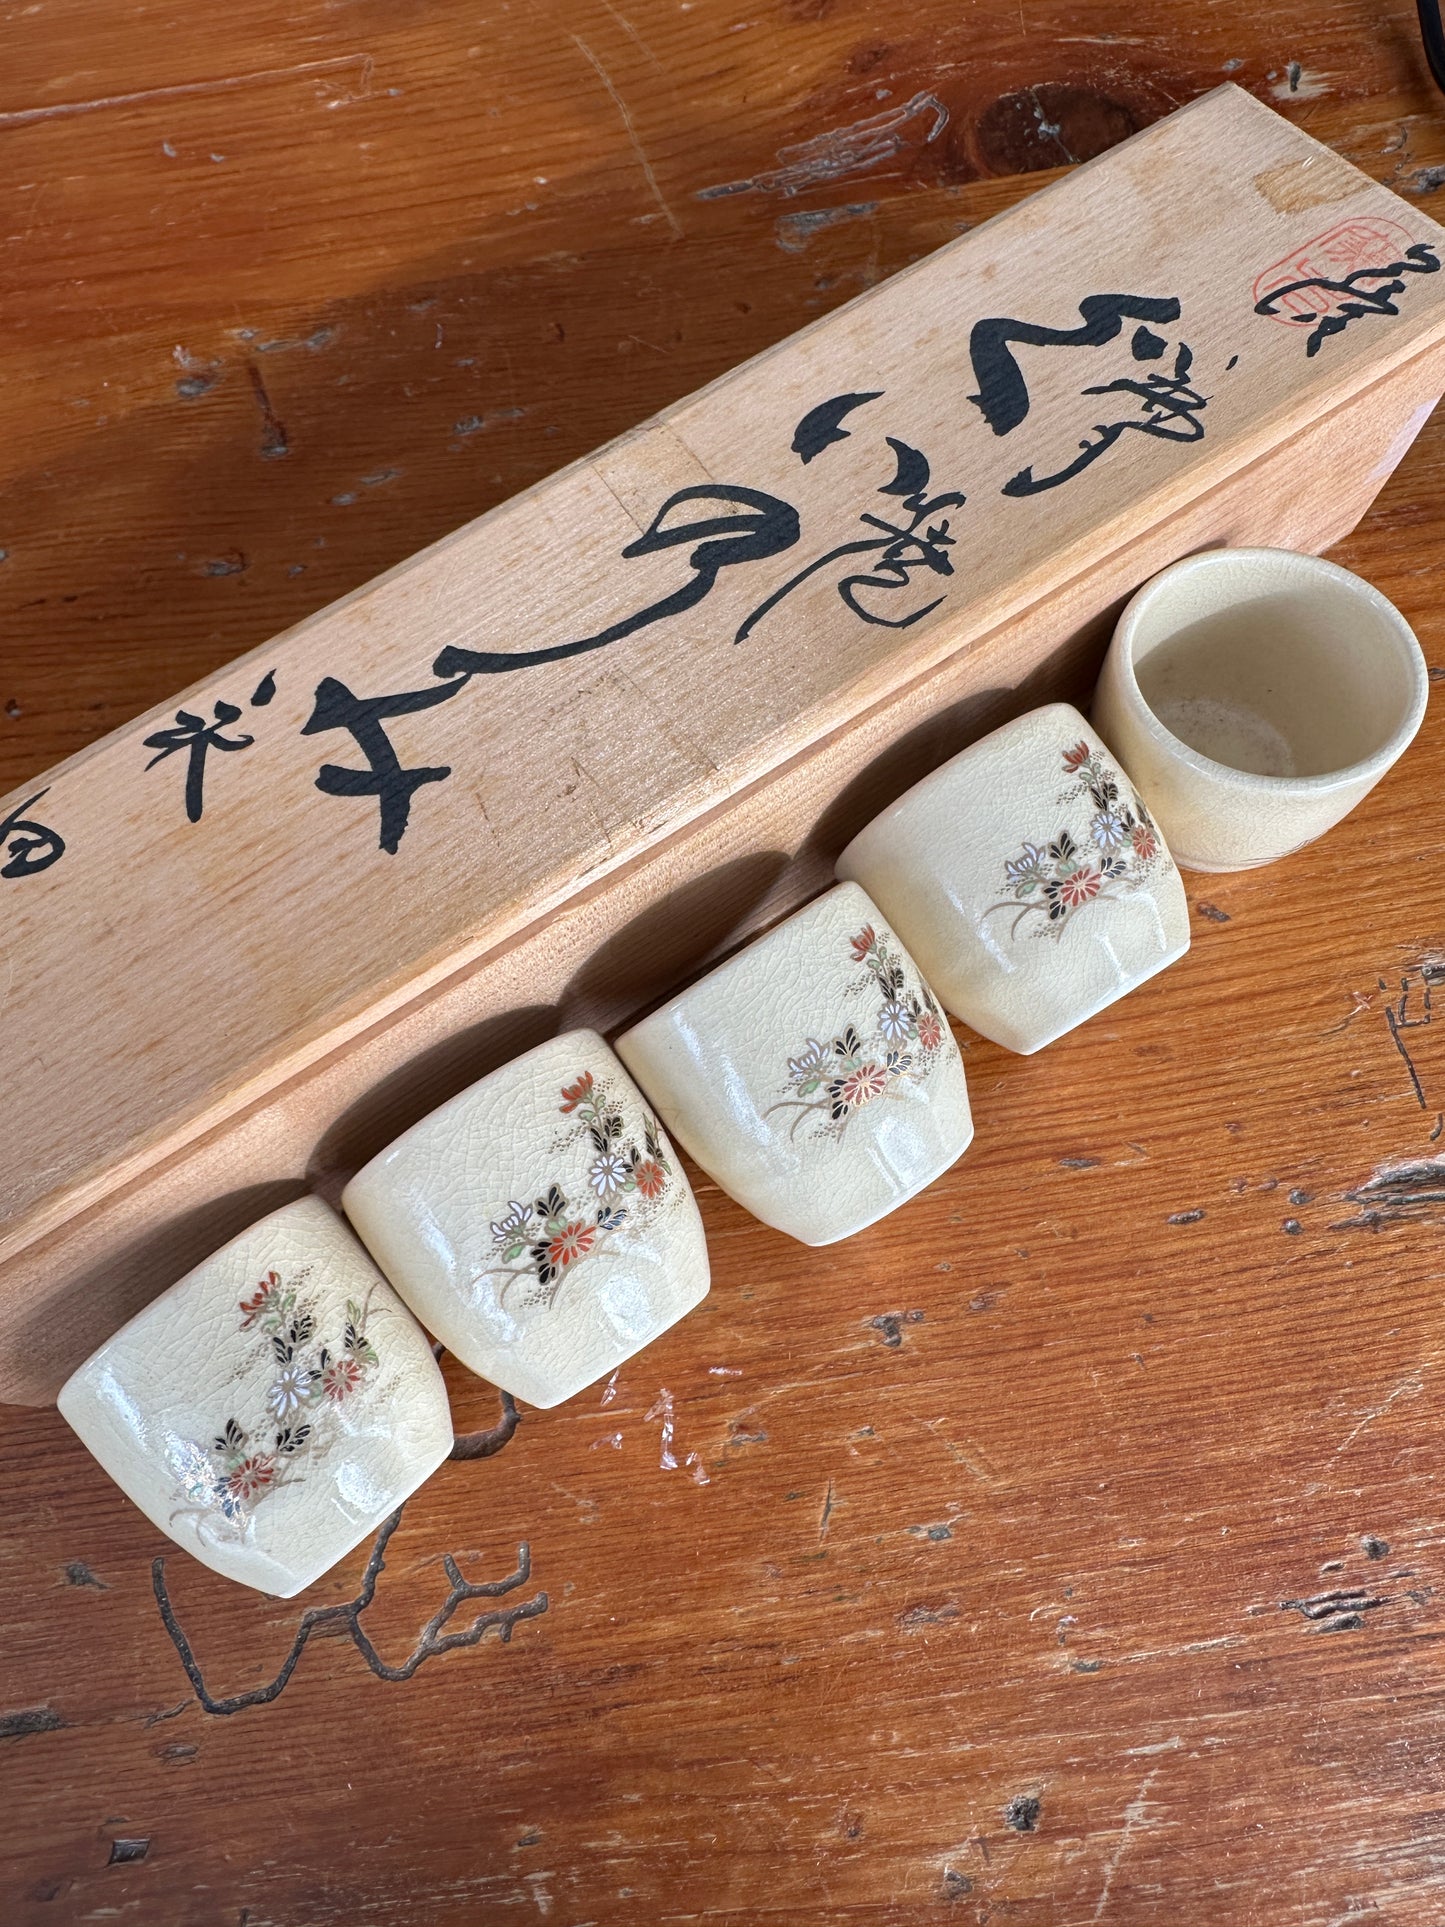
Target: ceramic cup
x=1256, y=696
x=812, y=1074
x=1028, y=880
x=539, y=1223
x=272, y=1408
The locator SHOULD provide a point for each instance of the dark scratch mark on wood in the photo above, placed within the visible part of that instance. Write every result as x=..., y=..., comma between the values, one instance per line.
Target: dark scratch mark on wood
x=1426, y=976
x=1397, y=1194
x=77, y=1573
x=826, y=1514
x=839, y=151
x=1336, y=1612
x=890, y=1325
x=794, y=231
x=482, y=1445
x=1375, y=1548
x=346, y=1617
x=916, y=1617
x=122, y=1852
x=34, y=1719
x=431, y=1641
x=167, y=1713
x=1186, y=1217
x=274, y=442
x=1213, y=912
x=1079, y=1164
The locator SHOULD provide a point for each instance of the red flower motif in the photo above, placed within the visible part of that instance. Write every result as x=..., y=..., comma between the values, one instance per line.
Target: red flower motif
x=650, y=1177
x=572, y=1243
x=1146, y=844
x=930, y=1031
x=578, y=1093
x=860, y=1087
x=340, y=1379
x=863, y=942
x=1079, y=887
x=257, y=1302
x=252, y=1476
x=1076, y=757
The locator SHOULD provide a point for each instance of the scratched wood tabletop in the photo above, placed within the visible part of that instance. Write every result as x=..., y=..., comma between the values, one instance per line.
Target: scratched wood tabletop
x=1069, y=1547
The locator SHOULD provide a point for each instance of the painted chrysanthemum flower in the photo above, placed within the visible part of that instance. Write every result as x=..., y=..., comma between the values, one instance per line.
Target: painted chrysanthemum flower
x=861, y=1086
x=608, y=1173
x=650, y=1177
x=1108, y=830
x=895, y=1021
x=930, y=1031
x=863, y=942
x=1080, y=886
x=574, y=1241
x=291, y=1390
x=1075, y=758
x=252, y=1476
x=1146, y=843
x=340, y=1378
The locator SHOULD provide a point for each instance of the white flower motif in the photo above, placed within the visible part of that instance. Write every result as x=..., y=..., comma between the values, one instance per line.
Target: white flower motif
x=290, y=1392
x=895, y=1021
x=514, y=1224
x=1108, y=830
x=609, y=1172
x=812, y=1060
x=1027, y=864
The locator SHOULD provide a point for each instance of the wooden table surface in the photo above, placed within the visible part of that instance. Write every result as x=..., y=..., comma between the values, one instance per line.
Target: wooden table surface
x=1068, y=1548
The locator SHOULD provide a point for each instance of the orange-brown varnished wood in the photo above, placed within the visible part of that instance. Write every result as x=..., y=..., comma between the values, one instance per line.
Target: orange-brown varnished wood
x=1069, y=1547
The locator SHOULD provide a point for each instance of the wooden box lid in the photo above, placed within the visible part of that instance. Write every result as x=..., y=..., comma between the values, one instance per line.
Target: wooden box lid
x=313, y=837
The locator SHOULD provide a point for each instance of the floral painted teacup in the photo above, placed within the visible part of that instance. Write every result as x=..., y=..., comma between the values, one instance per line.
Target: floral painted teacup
x=539, y=1223
x=272, y=1408
x=1028, y=879
x=812, y=1074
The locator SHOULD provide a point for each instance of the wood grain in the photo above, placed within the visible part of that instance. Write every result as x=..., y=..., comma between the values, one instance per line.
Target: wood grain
x=1139, y=1518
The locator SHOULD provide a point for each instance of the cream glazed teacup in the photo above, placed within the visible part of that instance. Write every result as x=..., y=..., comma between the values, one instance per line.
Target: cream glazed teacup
x=539, y=1223
x=1257, y=696
x=812, y=1074
x=270, y=1409
x=1028, y=879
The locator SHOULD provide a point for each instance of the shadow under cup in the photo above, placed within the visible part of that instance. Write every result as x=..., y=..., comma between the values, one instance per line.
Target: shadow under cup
x=1255, y=696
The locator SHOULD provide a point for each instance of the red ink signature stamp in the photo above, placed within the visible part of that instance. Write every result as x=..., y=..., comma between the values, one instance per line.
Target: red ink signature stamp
x=1350, y=247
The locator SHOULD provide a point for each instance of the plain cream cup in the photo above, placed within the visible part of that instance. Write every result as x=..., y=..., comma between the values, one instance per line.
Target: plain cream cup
x=1255, y=696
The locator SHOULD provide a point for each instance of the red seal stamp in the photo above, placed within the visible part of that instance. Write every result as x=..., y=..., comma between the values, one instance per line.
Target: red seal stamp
x=1307, y=284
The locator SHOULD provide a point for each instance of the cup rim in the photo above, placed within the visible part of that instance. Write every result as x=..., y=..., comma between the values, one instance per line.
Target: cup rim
x=308, y=1204
x=730, y=966
x=453, y=1104
x=1369, y=768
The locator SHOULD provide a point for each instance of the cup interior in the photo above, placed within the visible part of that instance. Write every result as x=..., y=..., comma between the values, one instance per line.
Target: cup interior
x=1275, y=664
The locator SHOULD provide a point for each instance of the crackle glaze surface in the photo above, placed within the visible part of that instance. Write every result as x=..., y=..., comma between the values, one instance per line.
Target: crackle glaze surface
x=270, y=1409
x=1028, y=878
x=812, y=1074
x=1257, y=696
x=539, y=1223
